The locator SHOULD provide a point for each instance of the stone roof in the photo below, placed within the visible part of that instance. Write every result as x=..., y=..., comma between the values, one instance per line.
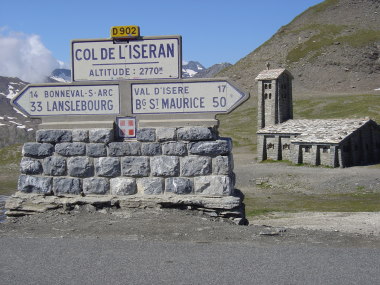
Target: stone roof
x=316, y=131
x=270, y=74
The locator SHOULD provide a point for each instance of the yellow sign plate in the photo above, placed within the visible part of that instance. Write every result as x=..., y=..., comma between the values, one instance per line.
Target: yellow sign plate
x=125, y=32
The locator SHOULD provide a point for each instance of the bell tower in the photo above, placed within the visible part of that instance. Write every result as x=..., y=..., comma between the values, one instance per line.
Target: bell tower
x=275, y=103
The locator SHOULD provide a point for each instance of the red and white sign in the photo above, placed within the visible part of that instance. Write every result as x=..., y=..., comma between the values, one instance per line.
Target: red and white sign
x=127, y=127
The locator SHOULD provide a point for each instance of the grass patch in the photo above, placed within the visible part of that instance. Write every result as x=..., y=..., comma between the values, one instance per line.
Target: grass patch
x=358, y=106
x=10, y=157
x=294, y=202
x=314, y=45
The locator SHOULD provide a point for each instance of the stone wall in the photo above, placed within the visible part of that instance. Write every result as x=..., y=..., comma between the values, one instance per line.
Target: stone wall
x=178, y=161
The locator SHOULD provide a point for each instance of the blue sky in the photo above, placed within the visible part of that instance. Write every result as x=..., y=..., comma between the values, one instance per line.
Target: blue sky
x=212, y=31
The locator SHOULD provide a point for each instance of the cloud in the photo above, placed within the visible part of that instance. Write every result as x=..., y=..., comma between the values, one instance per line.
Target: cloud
x=25, y=56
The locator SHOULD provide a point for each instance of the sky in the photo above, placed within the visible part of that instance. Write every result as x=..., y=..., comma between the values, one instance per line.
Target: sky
x=35, y=35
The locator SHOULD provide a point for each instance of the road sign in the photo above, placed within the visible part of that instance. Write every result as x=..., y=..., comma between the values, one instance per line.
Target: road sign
x=205, y=96
x=142, y=58
x=68, y=99
x=125, y=32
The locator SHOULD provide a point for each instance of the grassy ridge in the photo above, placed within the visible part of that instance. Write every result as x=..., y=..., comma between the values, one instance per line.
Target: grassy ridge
x=10, y=157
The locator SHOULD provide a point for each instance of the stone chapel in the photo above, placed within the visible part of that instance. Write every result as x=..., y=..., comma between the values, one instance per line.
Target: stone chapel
x=331, y=142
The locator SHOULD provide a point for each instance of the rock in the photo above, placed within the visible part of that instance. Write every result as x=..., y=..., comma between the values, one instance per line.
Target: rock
x=164, y=166
x=96, y=185
x=212, y=148
x=96, y=149
x=178, y=185
x=195, y=134
x=135, y=166
x=213, y=185
x=37, y=150
x=150, y=185
x=35, y=184
x=146, y=135
x=166, y=134
x=30, y=166
x=123, y=186
x=54, y=165
x=80, y=166
x=124, y=148
x=54, y=136
x=70, y=149
x=174, y=148
x=107, y=166
x=222, y=165
x=80, y=135
x=151, y=149
x=195, y=165
x=64, y=185
x=101, y=135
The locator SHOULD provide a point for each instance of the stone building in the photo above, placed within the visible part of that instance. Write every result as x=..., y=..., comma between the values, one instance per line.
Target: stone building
x=334, y=142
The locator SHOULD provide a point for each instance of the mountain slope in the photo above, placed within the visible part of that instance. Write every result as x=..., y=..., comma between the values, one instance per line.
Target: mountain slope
x=332, y=47
x=14, y=126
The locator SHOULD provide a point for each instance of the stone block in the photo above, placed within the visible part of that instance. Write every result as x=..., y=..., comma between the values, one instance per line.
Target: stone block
x=178, y=185
x=150, y=149
x=80, y=135
x=107, y=166
x=222, y=165
x=195, y=165
x=54, y=136
x=212, y=148
x=35, y=184
x=101, y=135
x=65, y=185
x=146, y=135
x=37, y=150
x=174, y=148
x=30, y=166
x=54, y=165
x=123, y=186
x=150, y=185
x=195, y=134
x=166, y=134
x=80, y=166
x=213, y=185
x=96, y=149
x=164, y=166
x=135, y=166
x=96, y=185
x=70, y=149
x=124, y=148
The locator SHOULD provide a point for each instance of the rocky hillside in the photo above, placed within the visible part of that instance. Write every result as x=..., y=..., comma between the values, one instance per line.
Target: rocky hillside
x=332, y=47
x=14, y=126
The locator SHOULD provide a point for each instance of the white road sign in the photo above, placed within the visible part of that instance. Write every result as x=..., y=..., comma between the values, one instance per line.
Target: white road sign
x=68, y=99
x=213, y=96
x=143, y=58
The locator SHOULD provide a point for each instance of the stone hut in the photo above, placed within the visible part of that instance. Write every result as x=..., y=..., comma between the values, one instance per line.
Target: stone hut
x=334, y=142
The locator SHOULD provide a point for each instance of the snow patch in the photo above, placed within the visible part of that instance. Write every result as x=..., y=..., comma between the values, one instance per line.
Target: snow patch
x=190, y=72
x=59, y=79
x=20, y=112
x=377, y=89
x=21, y=127
x=29, y=130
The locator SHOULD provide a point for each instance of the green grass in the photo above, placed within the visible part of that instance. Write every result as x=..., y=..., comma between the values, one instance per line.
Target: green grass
x=10, y=157
x=294, y=202
x=328, y=35
x=358, y=106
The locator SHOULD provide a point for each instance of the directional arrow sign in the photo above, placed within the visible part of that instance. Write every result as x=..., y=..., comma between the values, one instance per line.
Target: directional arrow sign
x=68, y=99
x=204, y=96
